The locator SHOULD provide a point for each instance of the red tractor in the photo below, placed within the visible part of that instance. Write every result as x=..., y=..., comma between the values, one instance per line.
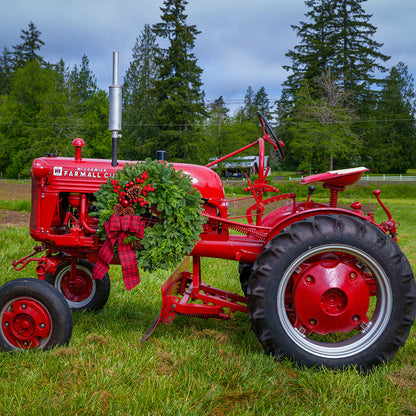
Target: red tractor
x=322, y=285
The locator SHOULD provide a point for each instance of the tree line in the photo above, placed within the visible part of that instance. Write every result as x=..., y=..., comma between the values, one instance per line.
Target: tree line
x=340, y=106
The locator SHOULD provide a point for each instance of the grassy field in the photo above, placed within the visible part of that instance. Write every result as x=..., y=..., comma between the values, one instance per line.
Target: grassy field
x=195, y=367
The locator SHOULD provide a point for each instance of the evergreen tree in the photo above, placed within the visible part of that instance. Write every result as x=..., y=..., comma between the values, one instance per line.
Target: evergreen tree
x=391, y=147
x=321, y=126
x=337, y=36
x=5, y=70
x=316, y=48
x=139, y=129
x=248, y=113
x=39, y=116
x=83, y=83
x=357, y=55
x=92, y=125
x=63, y=75
x=32, y=119
x=28, y=49
x=217, y=127
x=262, y=103
x=218, y=110
x=88, y=111
x=178, y=87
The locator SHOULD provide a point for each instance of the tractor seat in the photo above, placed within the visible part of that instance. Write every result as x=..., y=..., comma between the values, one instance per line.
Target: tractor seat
x=338, y=178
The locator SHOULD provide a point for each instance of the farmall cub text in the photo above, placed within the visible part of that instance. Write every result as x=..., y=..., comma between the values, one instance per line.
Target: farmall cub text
x=322, y=285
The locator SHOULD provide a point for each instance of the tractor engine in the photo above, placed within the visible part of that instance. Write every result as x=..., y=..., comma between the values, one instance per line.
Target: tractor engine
x=63, y=197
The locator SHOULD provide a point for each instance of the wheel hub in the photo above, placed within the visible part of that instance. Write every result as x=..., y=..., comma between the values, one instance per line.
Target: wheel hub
x=25, y=323
x=331, y=296
x=78, y=289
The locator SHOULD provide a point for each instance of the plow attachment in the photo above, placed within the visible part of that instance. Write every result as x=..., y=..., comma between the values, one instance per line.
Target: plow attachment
x=185, y=294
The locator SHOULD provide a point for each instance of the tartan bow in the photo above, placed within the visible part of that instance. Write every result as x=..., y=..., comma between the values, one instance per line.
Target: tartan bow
x=118, y=228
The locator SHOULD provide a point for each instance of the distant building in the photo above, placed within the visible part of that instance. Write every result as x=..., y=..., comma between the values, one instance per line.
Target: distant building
x=240, y=166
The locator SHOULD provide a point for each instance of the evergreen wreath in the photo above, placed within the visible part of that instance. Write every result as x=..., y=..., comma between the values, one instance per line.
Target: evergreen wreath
x=162, y=196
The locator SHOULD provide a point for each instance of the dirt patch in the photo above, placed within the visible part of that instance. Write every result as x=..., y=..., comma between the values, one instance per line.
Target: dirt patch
x=14, y=191
x=13, y=218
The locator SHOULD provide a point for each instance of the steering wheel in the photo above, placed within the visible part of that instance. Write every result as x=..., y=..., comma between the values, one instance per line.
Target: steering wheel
x=268, y=130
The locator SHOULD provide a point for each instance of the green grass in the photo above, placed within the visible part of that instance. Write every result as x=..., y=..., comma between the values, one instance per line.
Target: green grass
x=195, y=367
x=17, y=205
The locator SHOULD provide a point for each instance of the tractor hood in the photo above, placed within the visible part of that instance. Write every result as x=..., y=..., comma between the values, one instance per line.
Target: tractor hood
x=63, y=174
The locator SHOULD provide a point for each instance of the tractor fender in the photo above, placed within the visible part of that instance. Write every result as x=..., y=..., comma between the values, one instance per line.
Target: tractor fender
x=279, y=226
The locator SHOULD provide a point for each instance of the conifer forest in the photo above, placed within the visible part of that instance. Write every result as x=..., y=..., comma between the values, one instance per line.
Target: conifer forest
x=342, y=104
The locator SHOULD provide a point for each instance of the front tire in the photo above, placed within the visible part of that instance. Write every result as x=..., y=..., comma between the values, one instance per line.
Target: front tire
x=332, y=291
x=33, y=315
x=85, y=293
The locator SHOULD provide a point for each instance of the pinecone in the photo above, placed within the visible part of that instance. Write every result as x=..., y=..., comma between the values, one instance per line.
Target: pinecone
x=136, y=245
x=118, y=209
x=134, y=192
x=128, y=211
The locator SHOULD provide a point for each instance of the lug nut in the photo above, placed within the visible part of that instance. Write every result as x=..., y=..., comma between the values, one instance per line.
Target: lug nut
x=42, y=325
x=356, y=318
x=309, y=279
x=353, y=275
x=313, y=322
x=6, y=324
x=23, y=305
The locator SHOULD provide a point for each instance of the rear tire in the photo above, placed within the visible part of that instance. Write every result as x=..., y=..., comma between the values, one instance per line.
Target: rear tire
x=33, y=315
x=332, y=291
x=85, y=293
x=245, y=270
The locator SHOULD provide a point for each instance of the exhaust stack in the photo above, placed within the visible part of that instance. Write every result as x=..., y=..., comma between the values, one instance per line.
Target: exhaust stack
x=114, y=116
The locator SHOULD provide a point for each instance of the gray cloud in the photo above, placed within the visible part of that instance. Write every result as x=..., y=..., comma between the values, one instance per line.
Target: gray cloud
x=241, y=43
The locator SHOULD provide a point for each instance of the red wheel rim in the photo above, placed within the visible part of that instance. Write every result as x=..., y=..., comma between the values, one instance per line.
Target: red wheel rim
x=329, y=295
x=26, y=323
x=76, y=290
x=331, y=339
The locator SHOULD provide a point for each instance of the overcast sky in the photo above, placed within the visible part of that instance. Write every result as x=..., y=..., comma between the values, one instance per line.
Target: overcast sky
x=241, y=43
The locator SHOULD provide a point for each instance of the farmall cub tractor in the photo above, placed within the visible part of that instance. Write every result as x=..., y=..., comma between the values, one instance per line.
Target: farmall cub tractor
x=322, y=285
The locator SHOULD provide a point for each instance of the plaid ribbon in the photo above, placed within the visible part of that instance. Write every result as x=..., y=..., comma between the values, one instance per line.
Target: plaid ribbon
x=118, y=228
